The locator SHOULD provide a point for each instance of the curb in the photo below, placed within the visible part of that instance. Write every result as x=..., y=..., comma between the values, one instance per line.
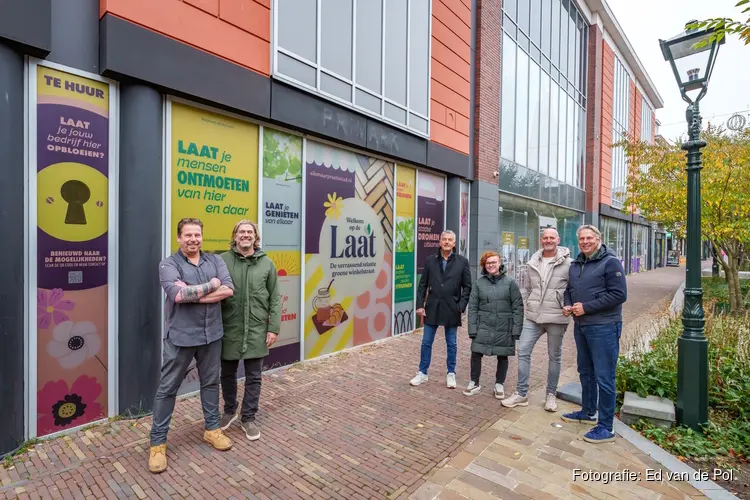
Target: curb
x=708, y=488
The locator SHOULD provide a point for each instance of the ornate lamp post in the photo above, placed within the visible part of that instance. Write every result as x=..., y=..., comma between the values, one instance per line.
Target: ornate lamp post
x=692, y=67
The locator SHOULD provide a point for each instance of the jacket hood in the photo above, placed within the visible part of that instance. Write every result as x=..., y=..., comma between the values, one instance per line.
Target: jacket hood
x=485, y=274
x=598, y=255
x=562, y=254
x=256, y=255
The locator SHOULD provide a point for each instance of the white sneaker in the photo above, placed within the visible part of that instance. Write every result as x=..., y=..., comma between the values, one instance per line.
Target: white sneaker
x=419, y=379
x=472, y=389
x=516, y=400
x=550, y=404
x=450, y=381
x=499, y=391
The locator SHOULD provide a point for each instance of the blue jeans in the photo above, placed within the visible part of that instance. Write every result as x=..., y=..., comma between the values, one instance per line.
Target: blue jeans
x=598, y=347
x=428, y=338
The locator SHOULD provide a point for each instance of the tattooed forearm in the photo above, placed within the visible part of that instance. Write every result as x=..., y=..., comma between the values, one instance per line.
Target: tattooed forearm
x=193, y=293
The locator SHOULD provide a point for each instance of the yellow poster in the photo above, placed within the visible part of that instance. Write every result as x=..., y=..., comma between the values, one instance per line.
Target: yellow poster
x=406, y=181
x=214, y=173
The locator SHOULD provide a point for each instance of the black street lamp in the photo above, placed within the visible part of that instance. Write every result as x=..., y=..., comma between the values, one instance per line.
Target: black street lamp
x=692, y=56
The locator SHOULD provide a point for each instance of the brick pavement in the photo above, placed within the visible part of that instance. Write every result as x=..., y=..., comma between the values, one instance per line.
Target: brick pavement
x=346, y=427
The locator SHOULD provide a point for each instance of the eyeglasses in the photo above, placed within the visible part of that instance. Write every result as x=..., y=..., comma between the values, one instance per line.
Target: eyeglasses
x=492, y=263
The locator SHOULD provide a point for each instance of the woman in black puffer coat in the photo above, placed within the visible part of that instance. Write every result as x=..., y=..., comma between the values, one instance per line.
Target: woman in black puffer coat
x=495, y=321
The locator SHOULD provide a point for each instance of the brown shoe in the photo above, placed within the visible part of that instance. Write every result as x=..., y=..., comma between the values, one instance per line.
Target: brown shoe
x=157, y=460
x=217, y=439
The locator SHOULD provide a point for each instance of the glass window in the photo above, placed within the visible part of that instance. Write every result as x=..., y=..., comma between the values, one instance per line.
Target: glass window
x=509, y=6
x=572, y=36
x=570, y=143
x=561, y=138
x=621, y=106
x=356, y=64
x=544, y=122
x=369, y=46
x=577, y=60
x=336, y=36
x=534, y=117
x=546, y=12
x=395, y=50
x=523, y=16
x=581, y=148
x=297, y=25
x=419, y=39
x=522, y=107
x=554, y=126
x=555, y=32
x=563, y=64
x=582, y=86
x=508, y=106
x=535, y=26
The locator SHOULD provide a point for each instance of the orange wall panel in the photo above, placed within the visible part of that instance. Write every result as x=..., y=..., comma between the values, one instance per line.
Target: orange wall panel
x=608, y=77
x=235, y=30
x=450, y=91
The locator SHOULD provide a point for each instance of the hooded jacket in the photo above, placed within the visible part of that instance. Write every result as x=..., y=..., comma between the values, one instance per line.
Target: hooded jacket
x=599, y=284
x=544, y=296
x=495, y=315
x=255, y=308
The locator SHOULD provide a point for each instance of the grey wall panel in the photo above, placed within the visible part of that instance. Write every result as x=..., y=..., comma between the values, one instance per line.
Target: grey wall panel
x=449, y=161
x=127, y=50
x=12, y=189
x=26, y=24
x=140, y=238
x=75, y=34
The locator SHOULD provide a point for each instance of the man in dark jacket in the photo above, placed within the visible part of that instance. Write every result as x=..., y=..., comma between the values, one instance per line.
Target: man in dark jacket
x=596, y=291
x=442, y=297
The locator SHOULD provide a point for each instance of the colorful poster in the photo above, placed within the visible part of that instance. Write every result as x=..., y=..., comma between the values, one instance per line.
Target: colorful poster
x=348, y=249
x=72, y=175
x=281, y=235
x=430, y=220
x=214, y=173
x=463, y=238
x=508, y=253
x=523, y=259
x=406, y=187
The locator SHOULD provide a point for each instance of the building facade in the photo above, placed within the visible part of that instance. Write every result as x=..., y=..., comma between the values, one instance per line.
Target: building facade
x=319, y=119
x=388, y=119
x=571, y=86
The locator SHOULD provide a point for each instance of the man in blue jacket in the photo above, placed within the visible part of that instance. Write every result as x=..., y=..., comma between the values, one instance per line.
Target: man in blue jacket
x=596, y=291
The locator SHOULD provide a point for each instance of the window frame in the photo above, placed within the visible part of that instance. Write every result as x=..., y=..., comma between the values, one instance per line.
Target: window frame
x=352, y=104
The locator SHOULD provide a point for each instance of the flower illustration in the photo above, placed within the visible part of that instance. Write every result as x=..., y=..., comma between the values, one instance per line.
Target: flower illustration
x=50, y=307
x=333, y=206
x=60, y=407
x=73, y=343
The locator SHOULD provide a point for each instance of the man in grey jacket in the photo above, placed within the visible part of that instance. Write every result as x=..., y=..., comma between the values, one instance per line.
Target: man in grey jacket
x=543, y=289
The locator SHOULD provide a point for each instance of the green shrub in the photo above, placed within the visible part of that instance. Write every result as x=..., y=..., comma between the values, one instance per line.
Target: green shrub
x=654, y=372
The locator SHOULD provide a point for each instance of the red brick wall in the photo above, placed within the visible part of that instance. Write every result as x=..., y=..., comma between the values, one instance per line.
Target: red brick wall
x=450, y=88
x=487, y=105
x=593, y=118
x=638, y=113
x=632, y=131
x=236, y=30
x=608, y=78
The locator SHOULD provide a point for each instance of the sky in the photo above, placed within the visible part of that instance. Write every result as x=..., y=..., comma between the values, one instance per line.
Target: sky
x=645, y=21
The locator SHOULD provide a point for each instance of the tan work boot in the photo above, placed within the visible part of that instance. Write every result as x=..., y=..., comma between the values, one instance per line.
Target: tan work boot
x=217, y=439
x=157, y=460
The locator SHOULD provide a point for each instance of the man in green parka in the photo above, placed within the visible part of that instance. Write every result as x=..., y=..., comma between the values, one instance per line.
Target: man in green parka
x=252, y=319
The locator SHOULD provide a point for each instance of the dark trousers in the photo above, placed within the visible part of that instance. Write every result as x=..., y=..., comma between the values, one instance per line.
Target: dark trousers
x=253, y=368
x=476, y=368
x=176, y=362
x=598, y=347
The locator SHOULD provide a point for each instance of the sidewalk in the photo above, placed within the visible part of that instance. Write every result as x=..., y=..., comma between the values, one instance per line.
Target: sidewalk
x=347, y=427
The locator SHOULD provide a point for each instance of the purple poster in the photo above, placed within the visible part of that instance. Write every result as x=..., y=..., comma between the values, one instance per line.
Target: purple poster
x=72, y=175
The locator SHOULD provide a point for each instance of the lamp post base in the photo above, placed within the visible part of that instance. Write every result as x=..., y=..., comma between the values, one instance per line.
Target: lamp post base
x=692, y=382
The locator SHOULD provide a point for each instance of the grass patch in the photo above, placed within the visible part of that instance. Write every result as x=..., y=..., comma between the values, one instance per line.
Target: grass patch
x=10, y=459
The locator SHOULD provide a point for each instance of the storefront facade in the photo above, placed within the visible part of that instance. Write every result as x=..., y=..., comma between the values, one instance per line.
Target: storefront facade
x=109, y=150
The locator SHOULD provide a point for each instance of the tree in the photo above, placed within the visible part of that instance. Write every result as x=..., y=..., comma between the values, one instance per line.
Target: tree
x=657, y=185
x=726, y=26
